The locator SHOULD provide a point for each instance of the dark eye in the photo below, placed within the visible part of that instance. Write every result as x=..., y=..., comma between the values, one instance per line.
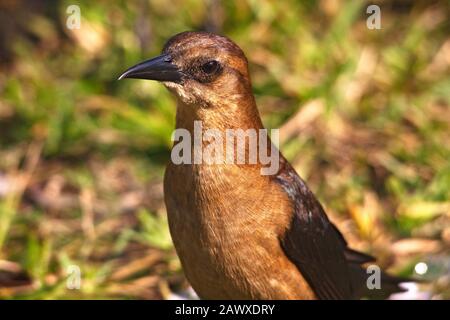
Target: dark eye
x=210, y=67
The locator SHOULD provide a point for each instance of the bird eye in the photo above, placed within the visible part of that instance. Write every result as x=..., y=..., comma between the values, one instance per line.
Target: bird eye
x=210, y=67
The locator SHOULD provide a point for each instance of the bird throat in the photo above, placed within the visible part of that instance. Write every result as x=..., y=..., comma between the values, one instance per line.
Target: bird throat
x=226, y=135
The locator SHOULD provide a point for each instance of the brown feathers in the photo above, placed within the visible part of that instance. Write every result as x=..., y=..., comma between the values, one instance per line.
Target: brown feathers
x=241, y=234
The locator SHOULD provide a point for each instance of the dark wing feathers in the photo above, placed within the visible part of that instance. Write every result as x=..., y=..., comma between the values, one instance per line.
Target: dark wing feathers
x=319, y=250
x=357, y=257
x=314, y=244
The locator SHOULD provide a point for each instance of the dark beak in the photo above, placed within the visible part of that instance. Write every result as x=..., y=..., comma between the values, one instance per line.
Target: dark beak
x=159, y=68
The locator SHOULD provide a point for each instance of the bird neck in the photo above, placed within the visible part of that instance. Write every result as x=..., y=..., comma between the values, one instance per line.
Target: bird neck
x=242, y=114
x=228, y=134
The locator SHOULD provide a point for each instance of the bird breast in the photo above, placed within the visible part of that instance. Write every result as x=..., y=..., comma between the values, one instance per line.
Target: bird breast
x=224, y=224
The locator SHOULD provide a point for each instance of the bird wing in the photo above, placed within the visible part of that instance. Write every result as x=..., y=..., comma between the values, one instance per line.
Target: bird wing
x=313, y=243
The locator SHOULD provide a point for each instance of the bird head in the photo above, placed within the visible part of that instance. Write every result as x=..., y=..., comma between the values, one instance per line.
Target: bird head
x=202, y=69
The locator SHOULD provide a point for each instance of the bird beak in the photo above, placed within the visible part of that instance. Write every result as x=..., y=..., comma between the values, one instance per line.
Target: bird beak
x=159, y=68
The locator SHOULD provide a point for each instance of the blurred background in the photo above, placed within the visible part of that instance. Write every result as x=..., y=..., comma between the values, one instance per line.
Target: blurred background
x=364, y=117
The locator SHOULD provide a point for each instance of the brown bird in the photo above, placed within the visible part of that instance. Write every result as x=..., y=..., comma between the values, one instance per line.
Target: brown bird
x=238, y=233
